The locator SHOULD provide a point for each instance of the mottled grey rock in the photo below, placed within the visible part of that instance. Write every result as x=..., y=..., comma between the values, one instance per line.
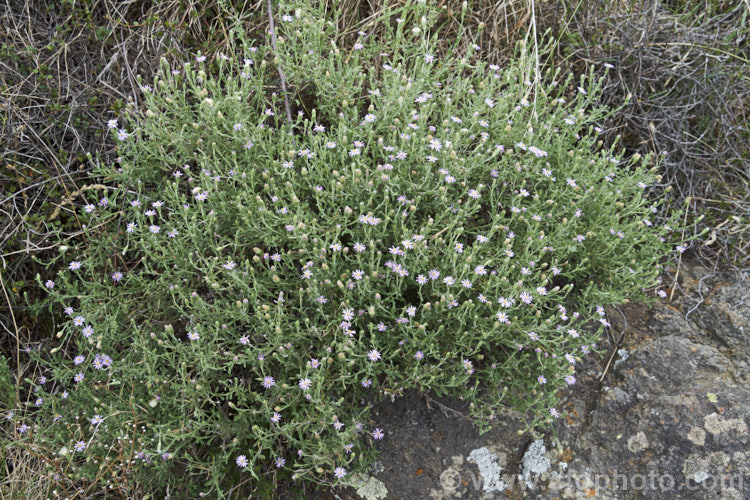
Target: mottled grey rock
x=624, y=355
x=534, y=461
x=488, y=468
x=725, y=317
x=369, y=488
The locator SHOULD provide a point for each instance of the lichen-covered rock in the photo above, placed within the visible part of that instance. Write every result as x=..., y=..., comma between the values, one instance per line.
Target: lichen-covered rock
x=670, y=412
x=724, y=317
x=672, y=419
x=369, y=488
x=489, y=469
x=534, y=461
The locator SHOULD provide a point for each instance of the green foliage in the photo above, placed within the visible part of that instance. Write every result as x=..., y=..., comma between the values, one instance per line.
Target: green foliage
x=250, y=284
x=7, y=386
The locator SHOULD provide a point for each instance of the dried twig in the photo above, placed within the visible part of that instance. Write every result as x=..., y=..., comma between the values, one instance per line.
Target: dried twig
x=617, y=343
x=688, y=76
x=281, y=72
x=447, y=410
x=16, y=335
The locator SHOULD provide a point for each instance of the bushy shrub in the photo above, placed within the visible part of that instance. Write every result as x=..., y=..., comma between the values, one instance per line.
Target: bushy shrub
x=249, y=284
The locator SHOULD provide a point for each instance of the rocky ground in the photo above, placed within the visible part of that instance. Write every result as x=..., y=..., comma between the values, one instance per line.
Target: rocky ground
x=664, y=415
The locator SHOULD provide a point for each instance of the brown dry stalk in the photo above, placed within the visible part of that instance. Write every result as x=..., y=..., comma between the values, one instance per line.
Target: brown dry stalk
x=281, y=72
x=69, y=199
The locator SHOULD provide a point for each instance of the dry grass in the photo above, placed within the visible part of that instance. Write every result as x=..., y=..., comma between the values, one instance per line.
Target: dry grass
x=684, y=67
x=21, y=472
x=497, y=25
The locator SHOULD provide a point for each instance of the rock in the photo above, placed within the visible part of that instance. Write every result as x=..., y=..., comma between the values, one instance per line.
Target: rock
x=369, y=488
x=725, y=318
x=685, y=432
x=488, y=469
x=534, y=461
x=624, y=355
